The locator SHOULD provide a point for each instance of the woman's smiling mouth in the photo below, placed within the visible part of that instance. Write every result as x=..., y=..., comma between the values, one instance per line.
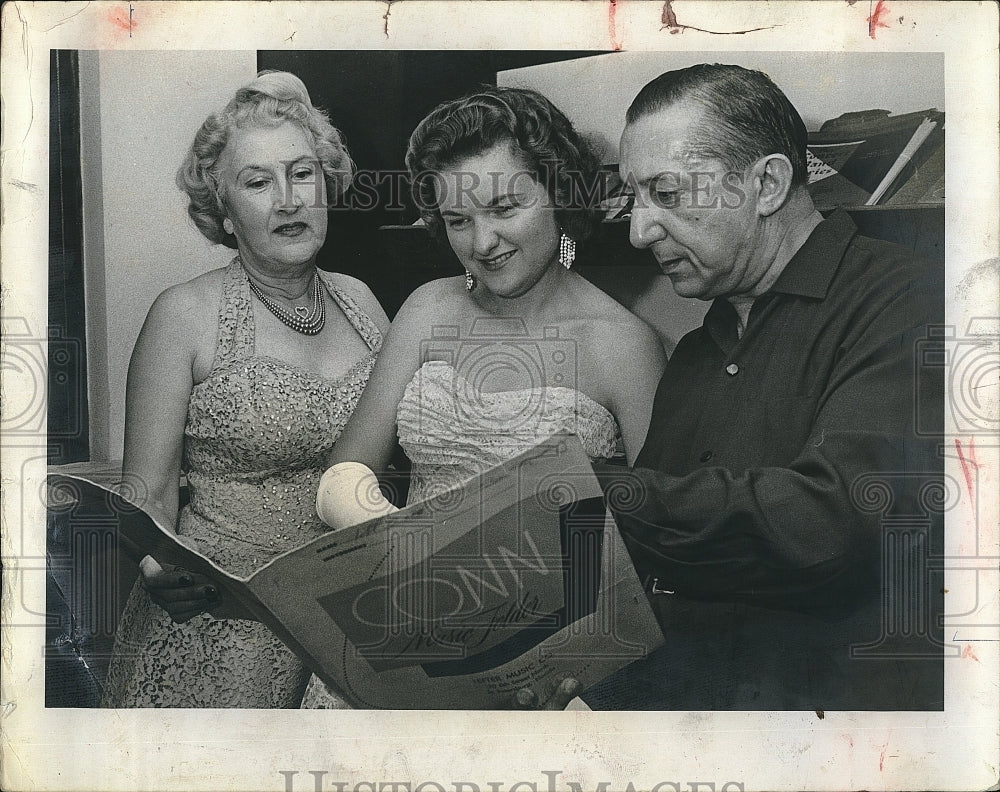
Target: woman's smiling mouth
x=496, y=262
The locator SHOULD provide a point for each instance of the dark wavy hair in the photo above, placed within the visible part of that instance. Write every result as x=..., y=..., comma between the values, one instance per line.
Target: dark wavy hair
x=749, y=118
x=270, y=99
x=558, y=156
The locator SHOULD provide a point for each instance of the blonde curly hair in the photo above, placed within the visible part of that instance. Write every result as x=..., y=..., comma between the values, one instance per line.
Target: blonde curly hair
x=271, y=98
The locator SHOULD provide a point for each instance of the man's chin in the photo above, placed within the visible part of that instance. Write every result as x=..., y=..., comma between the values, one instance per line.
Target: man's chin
x=688, y=287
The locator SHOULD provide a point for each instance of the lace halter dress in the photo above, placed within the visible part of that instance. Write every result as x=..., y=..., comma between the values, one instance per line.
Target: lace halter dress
x=257, y=437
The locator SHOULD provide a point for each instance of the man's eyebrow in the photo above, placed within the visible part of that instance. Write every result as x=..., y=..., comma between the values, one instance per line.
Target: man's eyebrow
x=657, y=176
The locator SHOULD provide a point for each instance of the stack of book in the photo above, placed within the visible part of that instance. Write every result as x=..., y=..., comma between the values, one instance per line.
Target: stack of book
x=872, y=158
x=867, y=158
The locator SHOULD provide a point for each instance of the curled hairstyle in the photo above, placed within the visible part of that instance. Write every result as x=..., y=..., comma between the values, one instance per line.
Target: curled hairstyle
x=558, y=158
x=749, y=116
x=270, y=99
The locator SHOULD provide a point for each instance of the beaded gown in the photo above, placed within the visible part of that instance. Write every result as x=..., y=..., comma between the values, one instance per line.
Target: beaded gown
x=256, y=441
x=451, y=432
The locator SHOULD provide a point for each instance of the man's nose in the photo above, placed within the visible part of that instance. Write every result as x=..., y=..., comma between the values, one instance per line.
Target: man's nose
x=643, y=228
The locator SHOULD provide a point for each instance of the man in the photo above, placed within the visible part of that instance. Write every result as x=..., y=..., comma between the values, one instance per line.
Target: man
x=753, y=513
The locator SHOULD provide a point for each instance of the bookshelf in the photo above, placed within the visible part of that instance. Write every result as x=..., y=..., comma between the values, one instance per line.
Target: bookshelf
x=405, y=257
x=886, y=171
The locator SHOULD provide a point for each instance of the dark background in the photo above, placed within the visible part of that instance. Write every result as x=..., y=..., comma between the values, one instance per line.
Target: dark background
x=376, y=99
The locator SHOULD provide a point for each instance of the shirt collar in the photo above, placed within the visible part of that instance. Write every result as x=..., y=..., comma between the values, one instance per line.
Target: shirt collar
x=811, y=269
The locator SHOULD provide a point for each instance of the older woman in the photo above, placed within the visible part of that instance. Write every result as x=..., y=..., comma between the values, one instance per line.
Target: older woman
x=244, y=377
x=478, y=368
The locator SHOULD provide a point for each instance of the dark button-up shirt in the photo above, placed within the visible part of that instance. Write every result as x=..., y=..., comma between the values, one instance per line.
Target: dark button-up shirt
x=765, y=495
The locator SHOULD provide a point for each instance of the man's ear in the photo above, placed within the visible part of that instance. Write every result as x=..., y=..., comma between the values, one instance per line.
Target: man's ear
x=773, y=176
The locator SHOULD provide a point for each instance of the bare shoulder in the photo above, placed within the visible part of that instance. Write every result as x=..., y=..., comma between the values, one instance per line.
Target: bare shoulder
x=189, y=306
x=621, y=355
x=434, y=300
x=636, y=345
x=359, y=291
x=628, y=330
x=447, y=290
x=181, y=327
x=616, y=328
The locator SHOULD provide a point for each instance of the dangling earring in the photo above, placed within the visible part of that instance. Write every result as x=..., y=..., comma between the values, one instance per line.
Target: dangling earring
x=470, y=282
x=567, y=250
x=227, y=225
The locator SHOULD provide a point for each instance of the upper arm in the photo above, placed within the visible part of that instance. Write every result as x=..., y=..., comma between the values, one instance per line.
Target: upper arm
x=156, y=399
x=639, y=363
x=370, y=434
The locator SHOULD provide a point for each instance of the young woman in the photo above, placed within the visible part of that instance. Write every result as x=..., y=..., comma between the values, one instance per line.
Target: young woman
x=478, y=368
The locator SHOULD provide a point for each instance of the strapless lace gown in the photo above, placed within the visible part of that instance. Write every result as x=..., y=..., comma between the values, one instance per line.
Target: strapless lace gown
x=257, y=437
x=451, y=432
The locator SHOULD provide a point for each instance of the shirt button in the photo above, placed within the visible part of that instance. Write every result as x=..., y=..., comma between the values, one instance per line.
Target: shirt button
x=706, y=456
x=732, y=369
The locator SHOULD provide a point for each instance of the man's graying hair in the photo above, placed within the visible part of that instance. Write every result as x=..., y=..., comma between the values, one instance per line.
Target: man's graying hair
x=749, y=117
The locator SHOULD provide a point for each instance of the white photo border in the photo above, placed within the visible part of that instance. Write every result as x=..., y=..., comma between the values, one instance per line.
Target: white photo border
x=71, y=749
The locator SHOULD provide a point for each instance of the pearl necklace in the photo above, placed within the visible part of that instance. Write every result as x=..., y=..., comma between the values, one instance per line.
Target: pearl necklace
x=305, y=321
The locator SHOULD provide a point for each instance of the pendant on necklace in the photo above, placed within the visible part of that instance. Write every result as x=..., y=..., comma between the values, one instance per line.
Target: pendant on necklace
x=301, y=310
